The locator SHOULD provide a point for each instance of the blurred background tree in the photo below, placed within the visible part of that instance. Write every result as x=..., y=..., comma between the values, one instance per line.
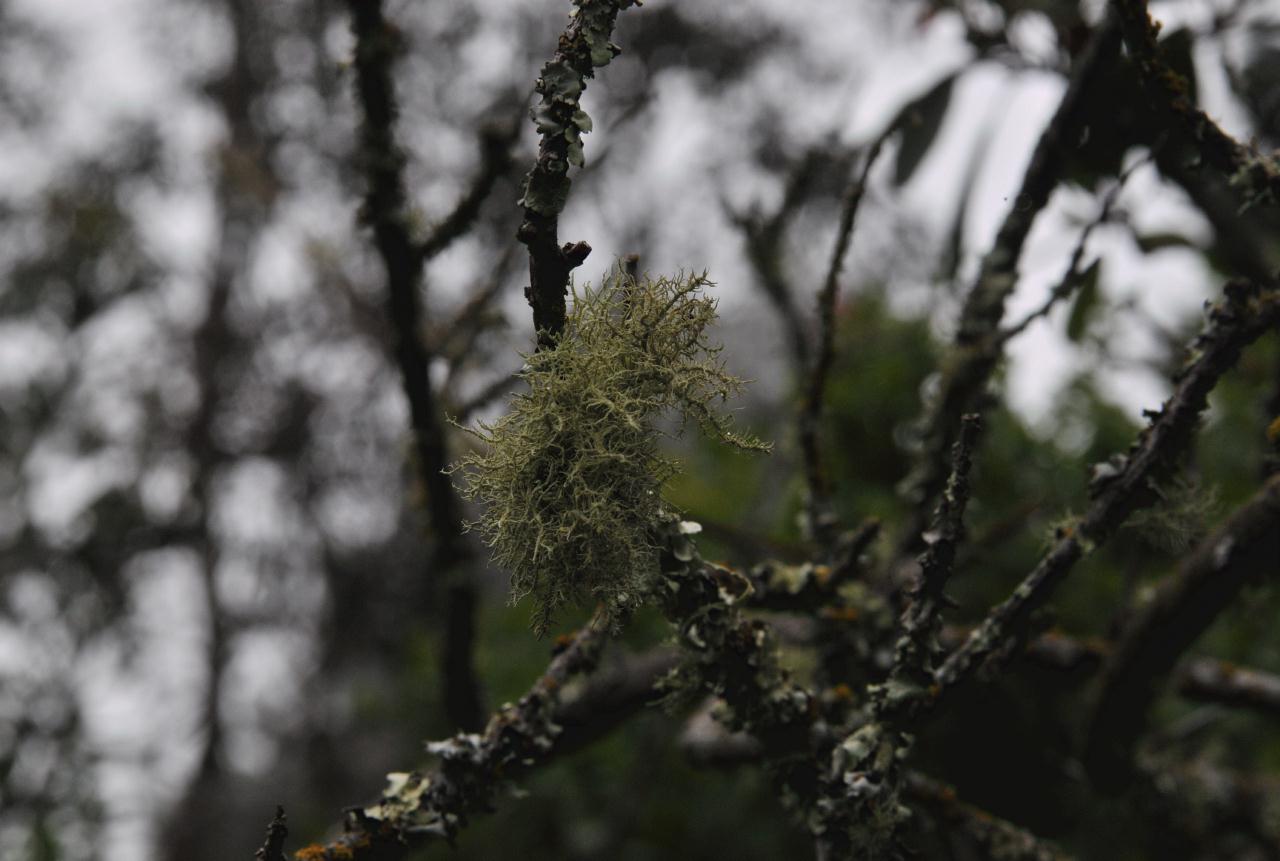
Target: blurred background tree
x=214, y=583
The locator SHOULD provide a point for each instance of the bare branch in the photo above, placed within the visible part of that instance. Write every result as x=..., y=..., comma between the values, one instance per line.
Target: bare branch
x=1074, y=276
x=998, y=838
x=495, y=162
x=821, y=517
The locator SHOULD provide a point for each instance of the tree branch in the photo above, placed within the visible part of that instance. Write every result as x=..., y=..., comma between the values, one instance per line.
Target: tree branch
x=1256, y=176
x=912, y=674
x=273, y=848
x=1126, y=482
x=419, y=809
x=495, y=161
x=821, y=517
x=1246, y=546
x=977, y=349
x=385, y=210
x=583, y=47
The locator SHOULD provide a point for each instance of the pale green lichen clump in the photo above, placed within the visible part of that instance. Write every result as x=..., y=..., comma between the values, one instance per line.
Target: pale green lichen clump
x=570, y=479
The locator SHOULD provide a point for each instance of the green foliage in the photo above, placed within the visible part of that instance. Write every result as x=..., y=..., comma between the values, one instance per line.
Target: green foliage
x=571, y=477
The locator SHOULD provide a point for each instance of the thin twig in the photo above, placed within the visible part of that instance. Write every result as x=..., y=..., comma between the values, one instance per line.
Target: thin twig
x=1074, y=275
x=820, y=516
x=996, y=837
x=495, y=162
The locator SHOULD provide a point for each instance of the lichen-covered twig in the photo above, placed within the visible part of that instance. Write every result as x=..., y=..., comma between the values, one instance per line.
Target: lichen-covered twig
x=386, y=211
x=734, y=658
x=417, y=809
x=1255, y=175
x=273, y=847
x=912, y=674
x=1245, y=547
x=860, y=810
x=584, y=46
x=1126, y=482
x=977, y=350
x=820, y=516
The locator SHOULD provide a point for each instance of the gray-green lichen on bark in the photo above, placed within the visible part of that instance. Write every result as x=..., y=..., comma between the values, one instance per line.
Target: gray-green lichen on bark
x=571, y=478
x=584, y=47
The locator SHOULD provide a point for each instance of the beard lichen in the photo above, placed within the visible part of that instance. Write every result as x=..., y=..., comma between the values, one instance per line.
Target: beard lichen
x=570, y=479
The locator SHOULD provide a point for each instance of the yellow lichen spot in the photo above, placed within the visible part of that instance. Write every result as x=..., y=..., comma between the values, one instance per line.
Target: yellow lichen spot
x=822, y=574
x=842, y=692
x=314, y=852
x=840, y=614
x=1273, y=431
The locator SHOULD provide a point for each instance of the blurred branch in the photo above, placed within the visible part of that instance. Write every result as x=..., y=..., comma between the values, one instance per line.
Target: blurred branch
x=495, y=162
x=1245, y=547
x=765, y=241
x=820, y=515
x=1210, y=681
x=997, y=838
x=977, y=349
x=385, y=210
x=1256, y=176
x=1126, y=482
x=1200, y=679
x=583, y=47
x=495, y=389
x=1075, y=276
x=707, y=743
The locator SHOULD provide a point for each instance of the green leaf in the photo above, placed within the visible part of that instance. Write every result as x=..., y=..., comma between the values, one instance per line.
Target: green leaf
x=1086, y=301
x=919, y=121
